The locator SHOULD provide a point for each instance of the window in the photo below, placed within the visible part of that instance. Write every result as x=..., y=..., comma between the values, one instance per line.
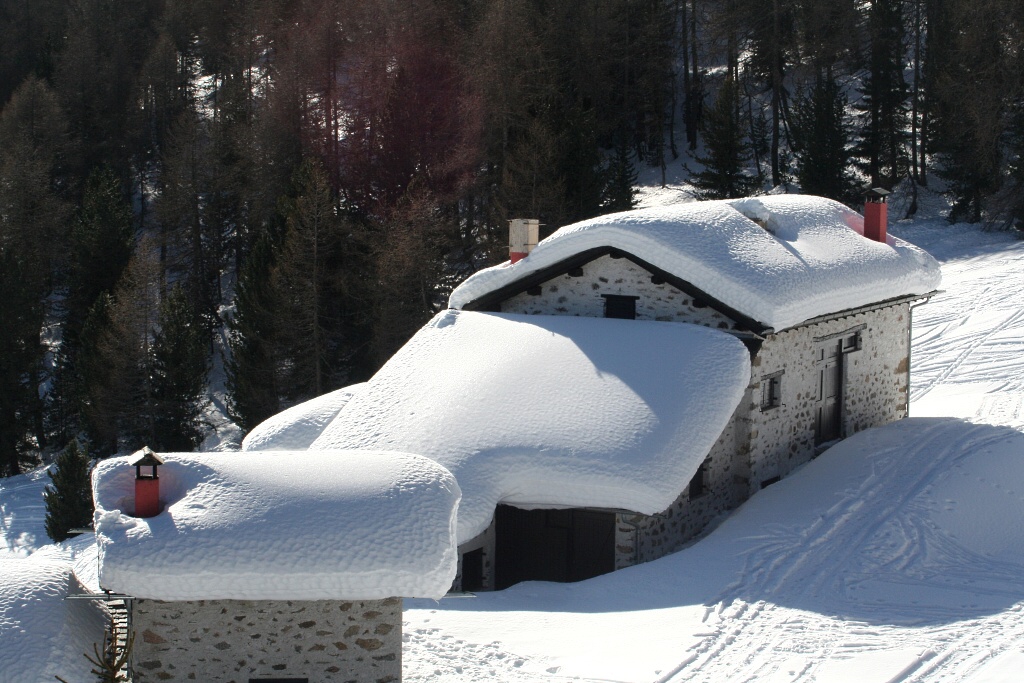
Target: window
x=771, y=390
x=618, y=306
x=852, y=343
x=698, y=485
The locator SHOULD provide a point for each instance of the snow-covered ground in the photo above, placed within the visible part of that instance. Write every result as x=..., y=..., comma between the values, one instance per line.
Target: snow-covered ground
x=896, y=556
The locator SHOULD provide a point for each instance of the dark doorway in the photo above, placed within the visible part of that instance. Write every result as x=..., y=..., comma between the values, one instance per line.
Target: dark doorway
x=828, y=425
x=552, y=545
x=473, y=570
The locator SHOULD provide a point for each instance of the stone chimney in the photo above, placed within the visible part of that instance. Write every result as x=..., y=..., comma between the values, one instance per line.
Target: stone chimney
x=876, y=216
x=522, y=237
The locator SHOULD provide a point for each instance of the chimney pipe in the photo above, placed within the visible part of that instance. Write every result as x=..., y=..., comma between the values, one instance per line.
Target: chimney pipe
x=522, y=237
x=876, y=215
x=147, y=484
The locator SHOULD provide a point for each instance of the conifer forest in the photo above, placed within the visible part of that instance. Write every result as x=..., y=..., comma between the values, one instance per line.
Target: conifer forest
x=308, y=179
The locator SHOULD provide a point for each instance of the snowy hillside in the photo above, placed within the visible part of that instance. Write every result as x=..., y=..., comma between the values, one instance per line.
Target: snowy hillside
x=896, y=556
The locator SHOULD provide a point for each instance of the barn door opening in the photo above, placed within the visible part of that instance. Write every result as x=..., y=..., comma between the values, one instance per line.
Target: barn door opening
x=552, y=545
x=830, y=392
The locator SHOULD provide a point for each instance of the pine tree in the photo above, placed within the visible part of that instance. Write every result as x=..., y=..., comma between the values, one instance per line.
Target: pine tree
x=619, y=191
x=69, y=499
x=32, y=223
x=179, y=371
x=99, y=250
x=884, y=106
x=728, y=152
x=819, y=132
x=251, y=367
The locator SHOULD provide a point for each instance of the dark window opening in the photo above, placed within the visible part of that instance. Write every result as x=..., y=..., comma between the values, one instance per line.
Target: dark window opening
x=768, y=482
x=618, y=306
x=698, y=485
x=473, y=570
x=852, y=343
x=552, y=545
x=575, y=272
x=771, y=391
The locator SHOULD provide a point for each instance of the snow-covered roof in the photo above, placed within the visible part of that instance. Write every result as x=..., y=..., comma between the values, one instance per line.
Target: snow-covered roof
x=296, y=427
x=42, y=634
x=810, y=258
x=288, y=525
x=542, y=411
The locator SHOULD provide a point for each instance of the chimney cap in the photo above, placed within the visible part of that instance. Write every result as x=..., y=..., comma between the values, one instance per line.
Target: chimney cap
x=877, y=194
x=147, y=458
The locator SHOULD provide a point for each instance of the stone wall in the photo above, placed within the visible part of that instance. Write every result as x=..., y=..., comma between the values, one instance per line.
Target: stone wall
x=581, y=295
x=875, y=379
x=761, y=444
x=235, y=641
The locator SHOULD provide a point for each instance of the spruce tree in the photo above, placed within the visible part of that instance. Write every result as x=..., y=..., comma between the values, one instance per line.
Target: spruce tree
x=179, y=370
x=820, y=137
x=728, y=152
x=620, y=178
x=69, y=498
x=251, y=369
x=882, y=148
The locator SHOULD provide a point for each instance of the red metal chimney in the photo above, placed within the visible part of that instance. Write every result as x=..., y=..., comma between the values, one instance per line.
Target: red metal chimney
x=876, y=215
x=147, y=486
x=522, y=237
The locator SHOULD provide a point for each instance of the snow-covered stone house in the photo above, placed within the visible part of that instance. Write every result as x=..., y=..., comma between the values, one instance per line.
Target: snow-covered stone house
x=603, y=399
x=275, y=566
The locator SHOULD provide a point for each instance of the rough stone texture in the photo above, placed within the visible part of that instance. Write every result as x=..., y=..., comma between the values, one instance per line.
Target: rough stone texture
x=875, y=381
x=233, y=641
x=582, y=295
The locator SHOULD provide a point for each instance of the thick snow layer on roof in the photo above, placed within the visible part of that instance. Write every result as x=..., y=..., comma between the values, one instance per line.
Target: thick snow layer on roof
x=42, y=635
x=298, y=426
x=288, y=525
x=542, y=411
x=810, y=259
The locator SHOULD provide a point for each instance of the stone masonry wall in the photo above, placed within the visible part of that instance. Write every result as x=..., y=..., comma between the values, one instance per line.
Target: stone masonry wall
x=233, y=641
x=582, y=295
x=760, y=445
x=875, y=379
x=642, y=538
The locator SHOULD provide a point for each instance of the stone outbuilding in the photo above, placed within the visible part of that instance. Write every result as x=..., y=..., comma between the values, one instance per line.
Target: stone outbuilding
x=275, y=566
x=716, y=347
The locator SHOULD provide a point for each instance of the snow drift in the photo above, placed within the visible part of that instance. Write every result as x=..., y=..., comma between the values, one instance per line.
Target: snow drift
x=42, y=634
x=284, y=525
x=542, y=411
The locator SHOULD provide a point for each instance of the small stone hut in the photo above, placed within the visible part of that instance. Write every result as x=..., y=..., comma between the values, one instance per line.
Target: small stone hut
x=276, y=566
x=563, y=475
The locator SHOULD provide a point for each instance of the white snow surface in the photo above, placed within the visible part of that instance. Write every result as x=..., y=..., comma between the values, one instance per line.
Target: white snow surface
x=542, y=411
x=281, y=525
x=297, y=427
x=42, y=635
x=811, y=259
